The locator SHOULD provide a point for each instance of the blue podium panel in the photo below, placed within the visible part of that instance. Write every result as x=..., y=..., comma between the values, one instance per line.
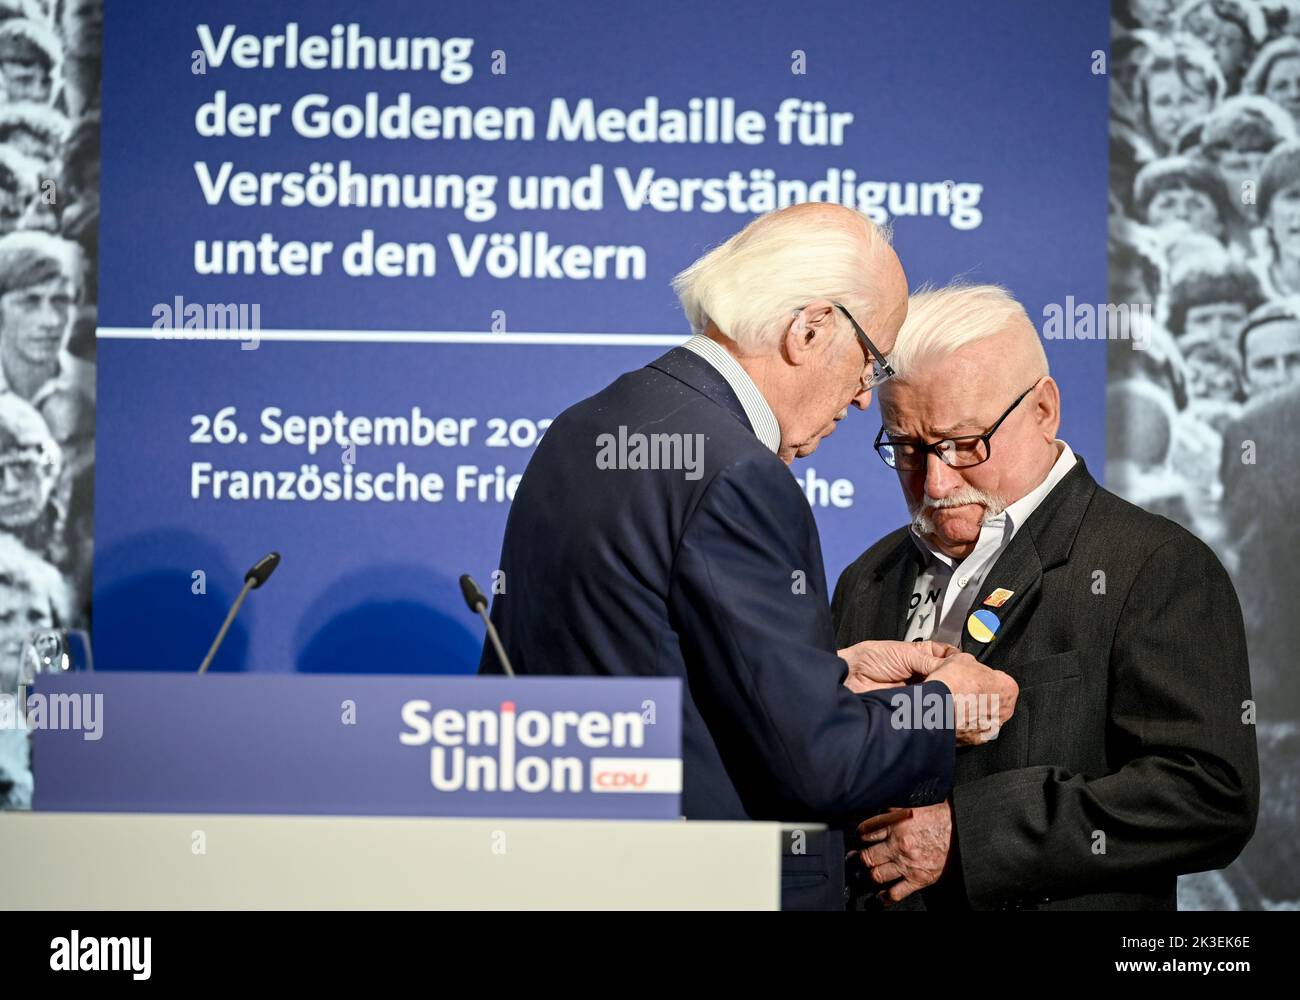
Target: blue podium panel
x=598, y=748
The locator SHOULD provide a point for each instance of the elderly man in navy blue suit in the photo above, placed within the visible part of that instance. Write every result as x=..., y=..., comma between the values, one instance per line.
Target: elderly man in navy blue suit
x=658, y=532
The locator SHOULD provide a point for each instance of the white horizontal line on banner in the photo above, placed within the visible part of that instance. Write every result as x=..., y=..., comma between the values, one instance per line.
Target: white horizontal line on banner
x=398, y=336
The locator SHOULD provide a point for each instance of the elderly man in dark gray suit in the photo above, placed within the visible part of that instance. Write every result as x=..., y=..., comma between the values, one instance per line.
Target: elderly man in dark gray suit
x=1131, y=756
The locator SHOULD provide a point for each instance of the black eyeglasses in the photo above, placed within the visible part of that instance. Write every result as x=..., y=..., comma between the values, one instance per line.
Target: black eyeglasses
x=881, y=370
x=957, y=452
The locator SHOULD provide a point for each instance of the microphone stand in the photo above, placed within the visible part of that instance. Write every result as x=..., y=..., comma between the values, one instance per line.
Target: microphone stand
x=249, y=583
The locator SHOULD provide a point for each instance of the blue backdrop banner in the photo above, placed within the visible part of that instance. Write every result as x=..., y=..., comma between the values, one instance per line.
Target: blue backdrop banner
x=356, y=258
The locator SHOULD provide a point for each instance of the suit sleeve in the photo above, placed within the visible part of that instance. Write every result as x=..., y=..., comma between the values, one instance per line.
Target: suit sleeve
x=1184, y=792
x=749, y=602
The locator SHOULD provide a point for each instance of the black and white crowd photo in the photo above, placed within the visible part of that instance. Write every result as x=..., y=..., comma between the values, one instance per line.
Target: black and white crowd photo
x=49, y=224
x=1203, y=425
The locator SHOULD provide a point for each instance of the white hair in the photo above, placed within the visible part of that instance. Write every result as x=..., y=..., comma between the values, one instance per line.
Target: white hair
x=751, y=285
x=943, y=320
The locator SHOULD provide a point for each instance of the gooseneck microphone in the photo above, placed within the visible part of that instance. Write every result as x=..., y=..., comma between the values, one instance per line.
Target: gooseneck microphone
x=478, y=603
x=254, y=578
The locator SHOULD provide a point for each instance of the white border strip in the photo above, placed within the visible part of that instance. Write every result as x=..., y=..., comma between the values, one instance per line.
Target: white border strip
x=402, y=337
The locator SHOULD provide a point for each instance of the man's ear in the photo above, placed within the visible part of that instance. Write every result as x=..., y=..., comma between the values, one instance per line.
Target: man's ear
x=1047, y=408
x=810, y=330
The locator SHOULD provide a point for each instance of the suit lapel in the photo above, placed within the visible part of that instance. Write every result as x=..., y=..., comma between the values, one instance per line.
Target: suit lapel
x=1020, y=570
x=1042, y=543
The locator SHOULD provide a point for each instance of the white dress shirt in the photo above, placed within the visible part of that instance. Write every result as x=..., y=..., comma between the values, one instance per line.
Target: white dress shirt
x=761, y=417
x=945, y=589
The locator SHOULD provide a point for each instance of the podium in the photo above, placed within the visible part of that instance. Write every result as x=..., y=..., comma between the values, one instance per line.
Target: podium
x=133, y=861
x=157, y=791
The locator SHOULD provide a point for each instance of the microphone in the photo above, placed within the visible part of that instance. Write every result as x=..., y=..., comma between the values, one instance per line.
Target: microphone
x=478, y=603
x=262, y=570
x=254, y=578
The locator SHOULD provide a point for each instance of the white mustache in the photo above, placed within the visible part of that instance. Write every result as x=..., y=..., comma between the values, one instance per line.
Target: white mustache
x=992, y=503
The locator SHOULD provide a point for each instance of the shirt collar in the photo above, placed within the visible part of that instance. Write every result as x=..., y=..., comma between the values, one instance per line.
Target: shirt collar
x=757, y=411
x=1006, y=524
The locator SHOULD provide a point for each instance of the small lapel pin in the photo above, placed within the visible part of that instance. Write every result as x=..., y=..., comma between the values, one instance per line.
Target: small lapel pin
x=982, y=625
x=999, y=597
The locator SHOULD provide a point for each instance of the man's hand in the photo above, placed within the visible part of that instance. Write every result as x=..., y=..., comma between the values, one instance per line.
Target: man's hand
x=983, y=698
x=909, y=847
x=890, y=663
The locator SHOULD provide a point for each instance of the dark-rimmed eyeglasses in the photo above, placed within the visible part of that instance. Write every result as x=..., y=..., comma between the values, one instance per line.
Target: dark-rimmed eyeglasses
x=881, y=369
x=958, y=452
